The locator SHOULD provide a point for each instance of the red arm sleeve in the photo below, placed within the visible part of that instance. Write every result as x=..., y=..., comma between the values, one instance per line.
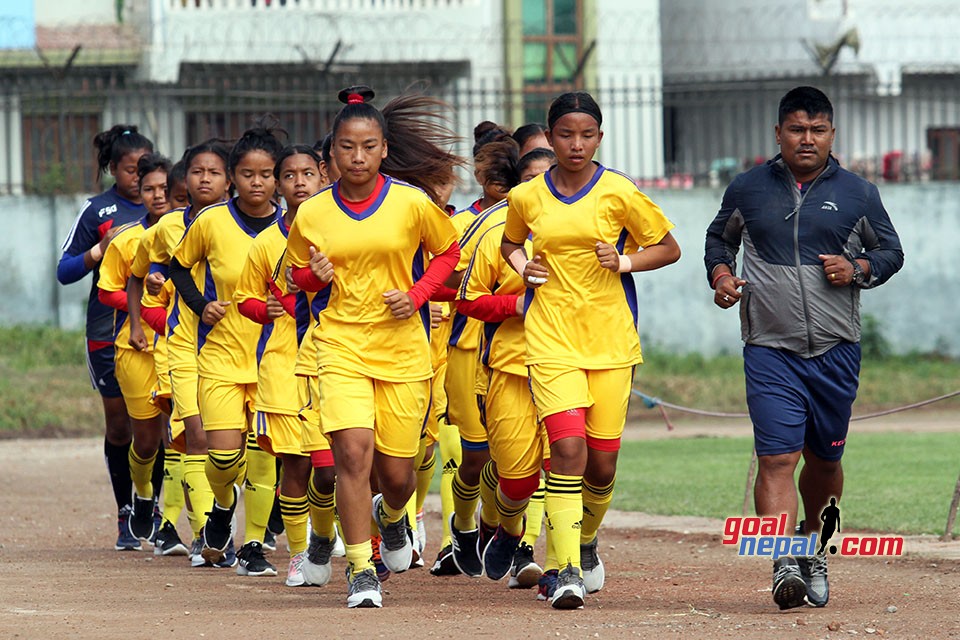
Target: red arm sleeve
x=115, y=299
x=490, y=308
x=440, y=267
x=156, y=317
x=256, y=310
x=303, y=277
x=289, y=301
x=444, y=294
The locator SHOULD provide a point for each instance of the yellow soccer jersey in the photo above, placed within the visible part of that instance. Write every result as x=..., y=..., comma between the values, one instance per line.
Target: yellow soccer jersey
x=277, y=345
x=585, y=316
x=308, y=307
x=470, y=225
x=141, y=260
x=488, y=273
x=182, y=322
x=219, y=240
x=114, y=272
x=374, y=251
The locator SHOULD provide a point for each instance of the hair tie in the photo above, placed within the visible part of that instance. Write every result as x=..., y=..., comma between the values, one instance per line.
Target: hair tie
x=126, y=132
x=355, y=98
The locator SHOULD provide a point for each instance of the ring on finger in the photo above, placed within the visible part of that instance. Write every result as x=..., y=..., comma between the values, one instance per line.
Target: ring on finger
x=726, y=298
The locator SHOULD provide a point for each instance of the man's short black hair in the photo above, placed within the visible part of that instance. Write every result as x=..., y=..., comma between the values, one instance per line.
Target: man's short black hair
x=809, y=99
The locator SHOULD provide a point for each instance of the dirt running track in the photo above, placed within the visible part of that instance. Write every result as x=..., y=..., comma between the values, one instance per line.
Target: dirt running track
x=59, y=578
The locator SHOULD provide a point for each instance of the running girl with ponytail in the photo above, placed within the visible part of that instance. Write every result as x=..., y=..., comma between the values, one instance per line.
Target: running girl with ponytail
x=364, y=238
x=587, y=223
x=118, y=150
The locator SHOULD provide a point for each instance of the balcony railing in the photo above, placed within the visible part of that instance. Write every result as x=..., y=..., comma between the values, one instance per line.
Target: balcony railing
x=311, y=5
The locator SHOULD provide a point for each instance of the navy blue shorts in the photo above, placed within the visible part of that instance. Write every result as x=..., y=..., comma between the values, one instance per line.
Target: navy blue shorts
x=102, y=372
x=796, y=402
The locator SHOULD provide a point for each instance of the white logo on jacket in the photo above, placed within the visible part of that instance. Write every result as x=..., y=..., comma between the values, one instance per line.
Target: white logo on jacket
x=106, y=211
x=829, y=206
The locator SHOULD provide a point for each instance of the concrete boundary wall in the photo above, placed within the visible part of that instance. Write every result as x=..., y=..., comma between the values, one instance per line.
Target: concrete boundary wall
x=918, y=309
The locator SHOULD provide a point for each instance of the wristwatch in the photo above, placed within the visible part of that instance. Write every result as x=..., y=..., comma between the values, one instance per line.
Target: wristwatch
x=858, y=275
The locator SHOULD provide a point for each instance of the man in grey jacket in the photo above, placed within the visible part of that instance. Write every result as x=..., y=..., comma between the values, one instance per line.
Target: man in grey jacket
x=813, y=235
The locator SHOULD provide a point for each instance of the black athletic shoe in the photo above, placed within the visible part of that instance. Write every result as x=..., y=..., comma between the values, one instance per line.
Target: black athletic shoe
x=445, y=566
x=525, y=573
x=218, y=530
x=252, y=561
x=168, y=542
x=465, y=554
x=498, y=555
x=789, y=589
x=141, y=520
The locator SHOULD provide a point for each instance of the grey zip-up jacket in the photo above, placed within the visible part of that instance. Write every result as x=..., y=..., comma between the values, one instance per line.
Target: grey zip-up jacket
x=788, y=303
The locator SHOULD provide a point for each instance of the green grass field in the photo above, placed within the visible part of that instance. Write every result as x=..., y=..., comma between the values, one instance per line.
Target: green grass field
x=895, y=482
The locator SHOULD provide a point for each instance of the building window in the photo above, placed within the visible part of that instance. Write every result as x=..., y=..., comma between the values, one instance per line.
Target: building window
x=552, y=50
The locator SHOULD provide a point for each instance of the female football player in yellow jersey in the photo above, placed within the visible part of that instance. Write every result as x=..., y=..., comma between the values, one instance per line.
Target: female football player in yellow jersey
x=493, y=293
x=495, y=160
x=260, y=297
x=152, y=310
x=134, y=366
x=587, y=223
x=207, y=184
x=364, y=238
x=219, y=239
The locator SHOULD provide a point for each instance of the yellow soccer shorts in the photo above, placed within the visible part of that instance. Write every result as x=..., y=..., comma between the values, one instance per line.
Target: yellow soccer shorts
x=278, y=433
x=604, y=393
x=460, y=385
x=137, y=377
x=395, y=411
x=516, y=442
x=226, y=405
x=176, y=436
x=161, y=363
x=312, y=437
x=182, y=362
x=438, y=402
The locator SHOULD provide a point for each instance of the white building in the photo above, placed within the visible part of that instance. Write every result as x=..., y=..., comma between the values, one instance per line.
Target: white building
x=892, y=70
x=189, y=69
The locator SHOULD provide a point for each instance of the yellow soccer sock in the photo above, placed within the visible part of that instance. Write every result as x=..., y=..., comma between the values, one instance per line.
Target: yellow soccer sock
x=488, y=495
x=389, y=515
x=359, y=557
x=534, y=516
x=223, y=468
x=197, y=486
x=261, y=488
x=596, y=501
x=322, y=511
x=173, y=500
x=510, y=514
x=294, y=514
x=141, y=473
x=425, y=477
x=564, y=504
x=465, y=498
x=450, y=456
x=550, y=559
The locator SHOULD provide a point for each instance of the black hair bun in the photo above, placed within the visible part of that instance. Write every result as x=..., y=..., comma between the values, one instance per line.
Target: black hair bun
x=365, y=93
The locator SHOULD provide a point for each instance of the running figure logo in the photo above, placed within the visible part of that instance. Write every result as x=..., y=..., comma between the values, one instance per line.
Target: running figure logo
x=830, y=517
